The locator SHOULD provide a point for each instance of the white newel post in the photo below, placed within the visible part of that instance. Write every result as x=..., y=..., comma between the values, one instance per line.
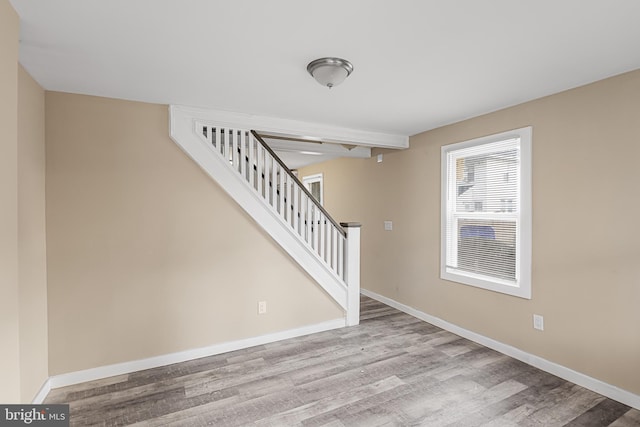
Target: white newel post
x=352, y=276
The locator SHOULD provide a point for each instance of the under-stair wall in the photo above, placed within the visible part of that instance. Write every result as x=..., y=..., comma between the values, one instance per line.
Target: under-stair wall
x=253, y=175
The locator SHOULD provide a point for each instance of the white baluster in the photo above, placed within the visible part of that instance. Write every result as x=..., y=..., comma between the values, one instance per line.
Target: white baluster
x=311, y=218
x=226, y=138
x=267, y=189
x=252, y=161
x=283, y=189
x=341, y=243
x=267, y=177
x=259, y=151
x=334, y=249
x=274, y=181
x=327, y=246
x=309, y=221
x=295, y=214
x=225, y=143
x=211, y=139
x=316, y=229
x=290, y=201
x=241, y=152
x=218, y=140
x=286, y=198
x=294, y=205
x=231, y=156
x=268, y=165
x=322, y=230
x=303, y=212
x=305, y=218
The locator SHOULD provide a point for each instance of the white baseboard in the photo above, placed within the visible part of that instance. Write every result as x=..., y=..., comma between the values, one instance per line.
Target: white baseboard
x=92, y=374
x=42, y=394
x=563, y=372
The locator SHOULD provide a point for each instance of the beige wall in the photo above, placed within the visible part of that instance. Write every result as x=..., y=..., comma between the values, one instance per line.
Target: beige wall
x=32, y=262
x=146, y=254
x=9, y=350
x=586, y=280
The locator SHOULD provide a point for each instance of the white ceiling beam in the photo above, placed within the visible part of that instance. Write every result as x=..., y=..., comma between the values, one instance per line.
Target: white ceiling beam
x=296, y=128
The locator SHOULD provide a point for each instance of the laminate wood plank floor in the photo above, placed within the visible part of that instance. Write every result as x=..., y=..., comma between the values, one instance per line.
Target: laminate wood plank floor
x=391, y=370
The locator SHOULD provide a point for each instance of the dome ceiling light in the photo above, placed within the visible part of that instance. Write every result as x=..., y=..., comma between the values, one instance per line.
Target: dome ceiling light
x=330, y=72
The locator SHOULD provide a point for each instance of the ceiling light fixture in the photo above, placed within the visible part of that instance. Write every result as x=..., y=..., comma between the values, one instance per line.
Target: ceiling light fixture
x=330, y=72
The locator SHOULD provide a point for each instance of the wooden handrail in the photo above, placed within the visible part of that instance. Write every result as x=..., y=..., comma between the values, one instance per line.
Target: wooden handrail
x=300, y=184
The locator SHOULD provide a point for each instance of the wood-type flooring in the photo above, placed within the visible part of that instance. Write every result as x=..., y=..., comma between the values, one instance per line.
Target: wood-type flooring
x=391, y=370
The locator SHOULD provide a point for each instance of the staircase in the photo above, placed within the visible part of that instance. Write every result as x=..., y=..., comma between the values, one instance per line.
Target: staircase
x=250, y=172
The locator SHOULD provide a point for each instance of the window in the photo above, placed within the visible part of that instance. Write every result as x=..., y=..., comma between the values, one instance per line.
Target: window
x=314, y=185
x=486, y=212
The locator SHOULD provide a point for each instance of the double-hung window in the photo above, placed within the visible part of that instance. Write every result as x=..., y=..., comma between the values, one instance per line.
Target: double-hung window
x=486, y=212
x=314, y=185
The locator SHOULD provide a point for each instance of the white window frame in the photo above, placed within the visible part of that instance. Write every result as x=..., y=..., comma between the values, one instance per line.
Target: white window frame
x=310, y=179
x=521, y=287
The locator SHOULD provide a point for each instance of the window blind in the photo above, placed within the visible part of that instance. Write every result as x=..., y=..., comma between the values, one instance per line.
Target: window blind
x=483, y=209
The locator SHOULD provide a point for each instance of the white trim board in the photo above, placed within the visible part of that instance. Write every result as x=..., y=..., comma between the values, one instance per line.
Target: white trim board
x=101, y=372
x=42, y=393
x=593, y=384
x=296, y=128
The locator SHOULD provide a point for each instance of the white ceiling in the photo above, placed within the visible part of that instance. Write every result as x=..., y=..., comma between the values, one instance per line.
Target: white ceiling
x=418, y=64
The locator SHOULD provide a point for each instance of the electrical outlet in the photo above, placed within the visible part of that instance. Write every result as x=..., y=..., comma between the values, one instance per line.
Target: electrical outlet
x=262, y=307
x=388, y=225
x=538, y=322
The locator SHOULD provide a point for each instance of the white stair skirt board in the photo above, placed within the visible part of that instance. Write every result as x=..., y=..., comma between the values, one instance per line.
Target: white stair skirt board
x=593, y=384
x=101, y=372
x=183, y=133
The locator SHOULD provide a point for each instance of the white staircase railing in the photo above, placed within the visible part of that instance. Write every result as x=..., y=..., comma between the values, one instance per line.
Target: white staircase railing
x=262, y=169
x=289, y=204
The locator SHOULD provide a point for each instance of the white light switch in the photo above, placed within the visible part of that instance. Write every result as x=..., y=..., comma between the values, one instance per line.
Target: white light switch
x=379, y=158
x=538, y=322
x=388, y=225
x=262, y=307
